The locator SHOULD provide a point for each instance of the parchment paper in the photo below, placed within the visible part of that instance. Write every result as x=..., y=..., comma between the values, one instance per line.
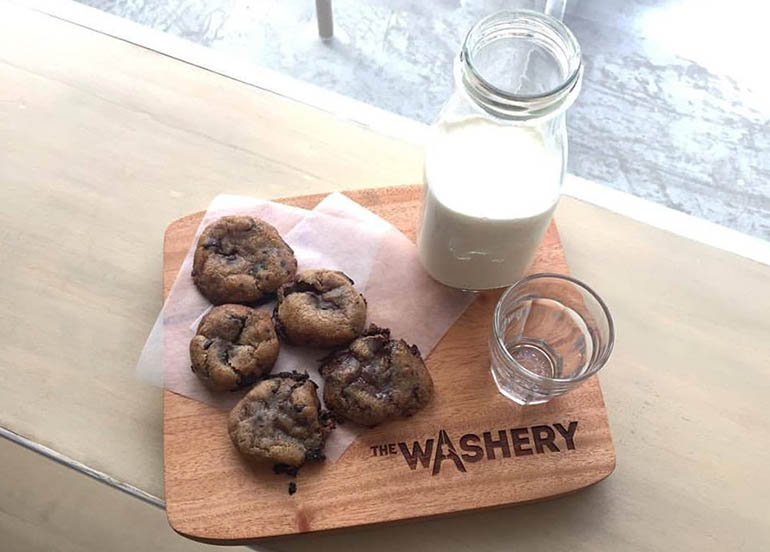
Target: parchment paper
x=338, y=234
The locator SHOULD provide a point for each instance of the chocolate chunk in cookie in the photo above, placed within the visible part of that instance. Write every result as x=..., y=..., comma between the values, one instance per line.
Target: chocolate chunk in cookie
x=280, y=420
x=320, y=308
x=241, y=259
x=234, y=346
x=376, y=379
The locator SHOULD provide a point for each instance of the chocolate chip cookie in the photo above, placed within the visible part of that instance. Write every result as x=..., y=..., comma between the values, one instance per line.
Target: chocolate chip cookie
x=234, y=346
x=376, y=379
x=241, y=259
x=280, y=420
x=320, y=308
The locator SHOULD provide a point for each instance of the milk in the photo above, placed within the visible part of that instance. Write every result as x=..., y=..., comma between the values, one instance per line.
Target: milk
x=490, y=191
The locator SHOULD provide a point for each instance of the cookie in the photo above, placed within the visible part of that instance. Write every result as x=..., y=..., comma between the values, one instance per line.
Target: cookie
x=234, y=346
x=376, y=379
x=320, y=308
x=280, y=420
x=241, y=260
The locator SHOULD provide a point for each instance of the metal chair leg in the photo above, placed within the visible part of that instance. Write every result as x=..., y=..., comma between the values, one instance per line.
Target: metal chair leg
x=556, y=8
x=323, y=12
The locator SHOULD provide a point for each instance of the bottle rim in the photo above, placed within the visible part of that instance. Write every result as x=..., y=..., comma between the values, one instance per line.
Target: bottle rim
x=532, y=25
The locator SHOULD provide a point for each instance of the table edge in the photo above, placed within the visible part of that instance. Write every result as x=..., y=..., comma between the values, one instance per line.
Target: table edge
x=68, y=462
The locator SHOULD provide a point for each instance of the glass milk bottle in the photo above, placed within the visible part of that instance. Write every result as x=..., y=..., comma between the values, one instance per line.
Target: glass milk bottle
x=495, y=158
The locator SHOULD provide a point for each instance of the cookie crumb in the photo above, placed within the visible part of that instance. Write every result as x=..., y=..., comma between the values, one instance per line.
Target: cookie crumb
x=292, y=487
x=291, y=471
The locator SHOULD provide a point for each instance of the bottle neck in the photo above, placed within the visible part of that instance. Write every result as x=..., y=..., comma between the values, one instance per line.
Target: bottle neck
x=520, y=65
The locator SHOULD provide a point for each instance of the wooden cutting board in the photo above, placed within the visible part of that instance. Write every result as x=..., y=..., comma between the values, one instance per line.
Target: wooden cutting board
x=399, y=470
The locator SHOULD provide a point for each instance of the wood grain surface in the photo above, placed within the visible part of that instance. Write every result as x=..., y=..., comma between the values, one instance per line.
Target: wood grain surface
x=213, y=494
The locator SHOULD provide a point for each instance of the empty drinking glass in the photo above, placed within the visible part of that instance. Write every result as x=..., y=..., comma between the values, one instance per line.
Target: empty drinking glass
x=550, y=333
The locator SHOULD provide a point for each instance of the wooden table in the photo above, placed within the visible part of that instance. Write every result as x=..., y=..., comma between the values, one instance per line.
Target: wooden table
x=102, y=143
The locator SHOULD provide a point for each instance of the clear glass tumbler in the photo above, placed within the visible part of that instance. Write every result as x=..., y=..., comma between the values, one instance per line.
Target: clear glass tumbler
x=550, y=333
